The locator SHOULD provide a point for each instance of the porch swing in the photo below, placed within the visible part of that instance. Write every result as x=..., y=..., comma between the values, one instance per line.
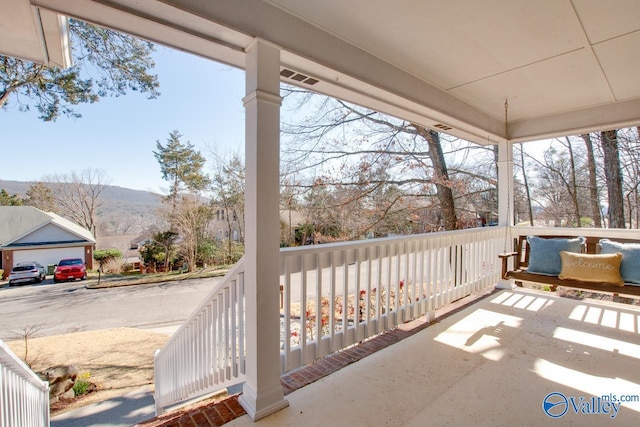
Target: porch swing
x=594, y=263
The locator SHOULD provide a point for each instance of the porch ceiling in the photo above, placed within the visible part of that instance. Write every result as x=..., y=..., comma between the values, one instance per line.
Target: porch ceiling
x=565, y=66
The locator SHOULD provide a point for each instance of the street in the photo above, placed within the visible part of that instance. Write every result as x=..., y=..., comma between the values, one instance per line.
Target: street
x=52, y=309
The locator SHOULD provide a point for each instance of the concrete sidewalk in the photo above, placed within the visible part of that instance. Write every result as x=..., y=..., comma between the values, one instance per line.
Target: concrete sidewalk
x=120, y=411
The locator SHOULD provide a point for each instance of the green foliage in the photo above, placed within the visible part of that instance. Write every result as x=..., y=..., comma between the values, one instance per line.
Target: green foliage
x=586, y=222
x=7, y=200
x=102, y=255
x=156, y=250
x=181, y=165
x=304, y=233
x=82, y=384
x=207, y=251
x=106, y=62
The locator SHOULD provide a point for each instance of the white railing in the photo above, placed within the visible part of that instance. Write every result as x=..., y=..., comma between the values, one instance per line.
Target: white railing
x=24, y=398
x=612, y=233
x=207, y=353
x=334, y=296
x=349, y=291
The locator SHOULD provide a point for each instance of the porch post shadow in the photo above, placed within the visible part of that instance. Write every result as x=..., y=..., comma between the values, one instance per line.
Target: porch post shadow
x=262, y=393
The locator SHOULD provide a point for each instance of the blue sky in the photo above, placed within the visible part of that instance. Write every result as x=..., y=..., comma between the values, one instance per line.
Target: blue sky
x=199, y=98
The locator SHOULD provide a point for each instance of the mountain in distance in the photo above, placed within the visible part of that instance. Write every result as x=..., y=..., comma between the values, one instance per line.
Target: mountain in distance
x=123, y=210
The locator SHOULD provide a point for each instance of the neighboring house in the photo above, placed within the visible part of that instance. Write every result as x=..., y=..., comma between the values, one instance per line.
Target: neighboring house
x=220, y=226
x=127, y=244
x=29, y=234
x=290, y=222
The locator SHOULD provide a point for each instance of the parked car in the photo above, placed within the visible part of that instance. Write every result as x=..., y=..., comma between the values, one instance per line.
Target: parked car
x=27, y=272
x=70, y=269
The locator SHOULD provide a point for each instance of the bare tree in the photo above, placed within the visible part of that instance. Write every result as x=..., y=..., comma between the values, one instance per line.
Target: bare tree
x=593, y=181
x=572, y=185
x=555, y=190
x=191, y=219
x=228, y=187
x=77, y=195
x=629, y=146
x=613, y=175
x=525, y=180
x=366, y=155
x=25, y=333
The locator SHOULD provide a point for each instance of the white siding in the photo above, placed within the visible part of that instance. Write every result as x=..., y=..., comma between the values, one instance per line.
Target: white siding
x=49, y=233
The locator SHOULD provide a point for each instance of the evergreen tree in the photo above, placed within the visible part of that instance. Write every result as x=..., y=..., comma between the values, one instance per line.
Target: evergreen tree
x=181, y=166
x=7, y=200
x=106, y=62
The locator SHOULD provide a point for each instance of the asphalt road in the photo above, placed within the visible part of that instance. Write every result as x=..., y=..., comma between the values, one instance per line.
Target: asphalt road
x=52, y=309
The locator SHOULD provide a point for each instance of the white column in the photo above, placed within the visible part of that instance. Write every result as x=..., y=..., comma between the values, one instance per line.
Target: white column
x=505, y=184
x=505, y=200
x=262, y=392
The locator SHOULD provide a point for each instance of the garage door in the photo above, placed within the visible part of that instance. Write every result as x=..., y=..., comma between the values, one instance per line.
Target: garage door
x=47, y=256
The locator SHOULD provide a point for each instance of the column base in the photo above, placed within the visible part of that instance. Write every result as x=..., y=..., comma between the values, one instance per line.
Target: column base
x=506, y=284
x=269, y=401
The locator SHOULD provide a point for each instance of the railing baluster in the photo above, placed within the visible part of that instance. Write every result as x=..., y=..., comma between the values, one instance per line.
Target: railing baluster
x=345, y=299
x=24, y=397
x=318, y=324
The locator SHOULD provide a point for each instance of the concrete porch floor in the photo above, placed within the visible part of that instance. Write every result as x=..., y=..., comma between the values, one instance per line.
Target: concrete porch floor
x=490, y=364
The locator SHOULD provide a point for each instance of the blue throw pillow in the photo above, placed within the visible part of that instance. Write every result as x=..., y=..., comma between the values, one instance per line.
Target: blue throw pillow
x=630, y=266
x=544, y=254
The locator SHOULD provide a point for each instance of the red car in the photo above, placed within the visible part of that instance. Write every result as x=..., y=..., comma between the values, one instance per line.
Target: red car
x=70, y=269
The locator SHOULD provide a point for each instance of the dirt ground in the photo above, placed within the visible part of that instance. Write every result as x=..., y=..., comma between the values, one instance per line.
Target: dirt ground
x=118, y=360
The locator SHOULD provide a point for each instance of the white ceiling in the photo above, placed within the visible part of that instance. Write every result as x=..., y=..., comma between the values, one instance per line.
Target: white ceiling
x=545, y=56
x=565, y=66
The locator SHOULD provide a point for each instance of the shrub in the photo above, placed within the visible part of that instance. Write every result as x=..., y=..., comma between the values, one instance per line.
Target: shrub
x=82, y=384
x=105, y=256
x=113, y=265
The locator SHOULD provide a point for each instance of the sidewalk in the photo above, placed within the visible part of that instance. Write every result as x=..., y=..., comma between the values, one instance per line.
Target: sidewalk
x=121, y=411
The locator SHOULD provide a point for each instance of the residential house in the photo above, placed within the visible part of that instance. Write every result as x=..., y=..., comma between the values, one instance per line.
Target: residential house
x=29, y=234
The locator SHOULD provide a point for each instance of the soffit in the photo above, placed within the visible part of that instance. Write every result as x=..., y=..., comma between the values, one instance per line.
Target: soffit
x=34, y=35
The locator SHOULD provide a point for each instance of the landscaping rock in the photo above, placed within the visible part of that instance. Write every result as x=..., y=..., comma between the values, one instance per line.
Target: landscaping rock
x=61, y=380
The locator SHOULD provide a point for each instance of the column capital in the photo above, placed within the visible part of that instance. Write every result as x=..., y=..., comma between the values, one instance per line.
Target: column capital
x=260, y=95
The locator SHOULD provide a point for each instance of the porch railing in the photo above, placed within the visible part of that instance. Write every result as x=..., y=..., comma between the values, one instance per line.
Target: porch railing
x=24, y=397
x=207, y=353
x=332, y=296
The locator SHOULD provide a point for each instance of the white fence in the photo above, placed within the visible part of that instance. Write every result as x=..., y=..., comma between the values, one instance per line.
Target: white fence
x=24, y=398
x=332, y=296
x=207, y=353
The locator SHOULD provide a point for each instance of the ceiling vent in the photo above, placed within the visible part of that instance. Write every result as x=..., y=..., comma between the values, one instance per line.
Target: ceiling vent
x=298, y=77
x=442, y=127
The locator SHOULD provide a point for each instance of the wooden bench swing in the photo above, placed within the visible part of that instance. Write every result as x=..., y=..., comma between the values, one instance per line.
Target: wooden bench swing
x=522, y=255
x=521, y=261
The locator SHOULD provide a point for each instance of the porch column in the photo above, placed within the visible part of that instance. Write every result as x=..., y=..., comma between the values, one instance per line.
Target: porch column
x=262, y=393
x=505, y=200
x=505, y=184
